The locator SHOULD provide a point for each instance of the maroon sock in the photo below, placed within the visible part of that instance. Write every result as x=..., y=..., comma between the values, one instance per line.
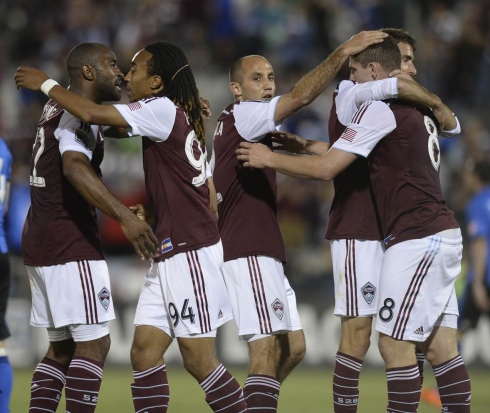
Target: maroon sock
x=454, y=385
x=150, y=390
x=420, y=363
x=83, y=384
x=261, y=393
x=47, y=386
x=223, y=393
x=346, y=383
x=403, y=389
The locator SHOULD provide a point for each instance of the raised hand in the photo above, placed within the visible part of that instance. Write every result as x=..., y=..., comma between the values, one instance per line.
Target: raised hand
x=30, y=78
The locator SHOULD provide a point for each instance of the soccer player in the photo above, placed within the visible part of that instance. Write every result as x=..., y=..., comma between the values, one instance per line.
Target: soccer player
x=70, y=286
x=264, y=305
x=6, y=376
x=184, y=294
x=423, y=240
x=354, y=230
x=476, y=298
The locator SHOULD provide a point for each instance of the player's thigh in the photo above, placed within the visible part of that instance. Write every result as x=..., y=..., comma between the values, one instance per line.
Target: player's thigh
x=74, y=293
x=416, y=286
x=356, y=269
x=263, y=301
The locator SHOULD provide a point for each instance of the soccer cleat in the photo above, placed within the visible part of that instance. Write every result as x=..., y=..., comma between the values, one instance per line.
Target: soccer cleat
x=431, y=396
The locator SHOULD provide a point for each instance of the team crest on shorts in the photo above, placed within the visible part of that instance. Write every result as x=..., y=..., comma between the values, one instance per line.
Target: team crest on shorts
x=368, y=292
x=105, y=297
x=278, y=308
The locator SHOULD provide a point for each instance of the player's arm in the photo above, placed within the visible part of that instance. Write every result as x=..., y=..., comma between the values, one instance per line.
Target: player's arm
x=313, y=83
x=77, y=105
x=117, y=133
x=411, y=91
x=296, y=144
x=321, y=167
x=77, y=169
x=213, y=198
x=372, y=122
x=479, y=253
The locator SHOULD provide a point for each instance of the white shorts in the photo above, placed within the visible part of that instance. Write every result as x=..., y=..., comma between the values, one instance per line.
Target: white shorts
x=417, y=286
x=263, y=301
x=77, y=292
x=185, y=295
x=356, y=271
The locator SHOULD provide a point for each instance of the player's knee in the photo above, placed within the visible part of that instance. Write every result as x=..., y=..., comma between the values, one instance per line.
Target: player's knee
x=385, y=349
x=356, y=343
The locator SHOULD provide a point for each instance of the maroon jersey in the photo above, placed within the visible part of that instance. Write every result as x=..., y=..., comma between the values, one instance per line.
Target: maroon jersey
x=247, y=210
x=402, y=147
x=60, y=226
x=353, y=213
x=174, y=162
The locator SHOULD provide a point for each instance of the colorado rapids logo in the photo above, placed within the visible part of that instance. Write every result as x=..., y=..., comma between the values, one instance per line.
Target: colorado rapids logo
x=368, y=292
x=278, y=308
x=105, y=297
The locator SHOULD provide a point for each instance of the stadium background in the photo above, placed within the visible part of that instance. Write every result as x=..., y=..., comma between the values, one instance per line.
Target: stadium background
x=452, y=58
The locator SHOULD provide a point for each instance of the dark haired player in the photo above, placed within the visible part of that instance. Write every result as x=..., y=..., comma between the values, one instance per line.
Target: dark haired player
x=69, y=279
x=184, y=294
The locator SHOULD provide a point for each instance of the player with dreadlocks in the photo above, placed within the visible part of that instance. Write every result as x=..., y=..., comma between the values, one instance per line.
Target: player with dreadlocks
x=184, y=294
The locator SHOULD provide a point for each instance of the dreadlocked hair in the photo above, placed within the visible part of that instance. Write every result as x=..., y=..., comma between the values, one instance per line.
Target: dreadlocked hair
x=170, y=63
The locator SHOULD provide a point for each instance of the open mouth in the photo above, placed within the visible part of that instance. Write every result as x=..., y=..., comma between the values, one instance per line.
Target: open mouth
x=268, y=96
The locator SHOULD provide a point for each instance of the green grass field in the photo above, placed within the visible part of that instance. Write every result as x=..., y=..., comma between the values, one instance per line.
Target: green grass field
x=307, y=390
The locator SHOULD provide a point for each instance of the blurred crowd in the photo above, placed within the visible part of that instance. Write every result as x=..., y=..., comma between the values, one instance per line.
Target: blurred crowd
x=452, y=59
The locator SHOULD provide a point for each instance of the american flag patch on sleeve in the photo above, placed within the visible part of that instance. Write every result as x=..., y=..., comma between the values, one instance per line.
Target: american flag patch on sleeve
x=134, y=106
x=349, y=134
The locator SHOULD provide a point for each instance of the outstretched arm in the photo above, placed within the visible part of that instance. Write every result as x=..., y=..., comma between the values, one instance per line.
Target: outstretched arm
x=322, y=167
x=77, y=105
x=77, y=170
x=312, y=84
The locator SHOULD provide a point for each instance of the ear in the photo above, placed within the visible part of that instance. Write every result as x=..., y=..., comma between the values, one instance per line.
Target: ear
x=88, y=72
x=235, y=89
x=156, y=84
x=373, y=70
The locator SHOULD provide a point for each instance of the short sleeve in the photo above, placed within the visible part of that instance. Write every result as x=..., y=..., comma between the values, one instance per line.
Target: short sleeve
x=75, y=135
x=372, y=122
x=255, y=119
x=153, y=117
